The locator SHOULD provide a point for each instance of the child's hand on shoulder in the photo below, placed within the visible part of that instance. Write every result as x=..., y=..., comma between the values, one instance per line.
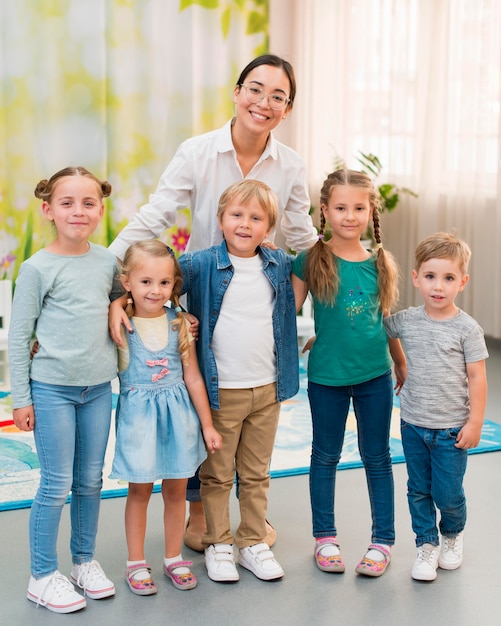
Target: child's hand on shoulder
x=118, y=318
x=194, y=324
x=469, y=436
x=269, y=244
x=212, y=438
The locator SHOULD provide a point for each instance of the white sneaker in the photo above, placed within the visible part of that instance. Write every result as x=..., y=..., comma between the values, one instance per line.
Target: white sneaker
x=91, y=578
x=451, y=552
x=260, y=560
x=426, y=563
x=220, y=563
x=56, y=593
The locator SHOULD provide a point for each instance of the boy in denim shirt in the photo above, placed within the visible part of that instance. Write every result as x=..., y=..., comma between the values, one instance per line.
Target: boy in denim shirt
x=247, y=347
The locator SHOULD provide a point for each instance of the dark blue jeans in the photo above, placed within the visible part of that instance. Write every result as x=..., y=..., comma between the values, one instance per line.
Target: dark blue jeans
x=372, y=403
x=193, y=488
x=435, y=468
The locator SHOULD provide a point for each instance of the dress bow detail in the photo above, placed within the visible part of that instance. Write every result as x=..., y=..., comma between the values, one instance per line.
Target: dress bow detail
x=162, y=362
x=160, y=375
x=158, y=362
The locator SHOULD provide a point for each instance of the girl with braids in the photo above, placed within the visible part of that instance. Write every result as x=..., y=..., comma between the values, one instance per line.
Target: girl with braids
x=63, y=394
x=161, y=393
x=352, y=289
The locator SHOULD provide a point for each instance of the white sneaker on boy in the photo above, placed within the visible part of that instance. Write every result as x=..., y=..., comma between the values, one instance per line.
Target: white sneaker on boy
x=451, y=552
x=426, y=563
x=220, y=563
x=260, y=560
x=56, y=593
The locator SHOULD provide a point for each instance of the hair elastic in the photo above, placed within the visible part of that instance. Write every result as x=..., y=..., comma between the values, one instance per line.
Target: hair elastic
x=379, y=246
x=178, y=309
x=320, y=236
x=130, y=301
x=169, y=250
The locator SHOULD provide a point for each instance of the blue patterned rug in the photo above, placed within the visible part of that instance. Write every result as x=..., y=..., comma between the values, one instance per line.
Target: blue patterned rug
x=19, y=468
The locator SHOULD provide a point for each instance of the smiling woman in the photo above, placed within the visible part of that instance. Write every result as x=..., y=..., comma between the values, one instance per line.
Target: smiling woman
x=204, y=166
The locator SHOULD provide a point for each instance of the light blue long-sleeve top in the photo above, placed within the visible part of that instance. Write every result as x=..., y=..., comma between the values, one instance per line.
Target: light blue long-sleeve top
x=64, y=301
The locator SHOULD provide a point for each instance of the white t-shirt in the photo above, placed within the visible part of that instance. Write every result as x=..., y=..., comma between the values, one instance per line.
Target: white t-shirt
x=243, y=342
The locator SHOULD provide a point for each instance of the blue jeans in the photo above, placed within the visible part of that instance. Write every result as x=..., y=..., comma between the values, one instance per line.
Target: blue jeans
x=193, y=488
x=435, y=468
x=372, y=403
x=72, y=425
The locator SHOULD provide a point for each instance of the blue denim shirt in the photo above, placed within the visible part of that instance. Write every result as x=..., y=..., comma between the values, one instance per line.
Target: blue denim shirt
x=206, y=276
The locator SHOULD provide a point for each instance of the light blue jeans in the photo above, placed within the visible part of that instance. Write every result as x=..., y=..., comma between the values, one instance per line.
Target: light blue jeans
x=72, y=425
x=436, y=469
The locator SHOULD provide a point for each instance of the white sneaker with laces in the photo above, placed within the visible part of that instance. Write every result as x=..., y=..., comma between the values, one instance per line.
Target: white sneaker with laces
x=91, y=578
x=56, y=593
x=260, y=560
x=426, y=563
x=451, y=552
x=220, y=563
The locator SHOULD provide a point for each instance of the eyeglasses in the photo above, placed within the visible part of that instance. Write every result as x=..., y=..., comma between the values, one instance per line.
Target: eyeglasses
x=256, y=94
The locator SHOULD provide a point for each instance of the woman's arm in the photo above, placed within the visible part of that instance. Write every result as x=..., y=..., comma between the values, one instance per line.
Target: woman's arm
x=173, y=193
x=296, y=223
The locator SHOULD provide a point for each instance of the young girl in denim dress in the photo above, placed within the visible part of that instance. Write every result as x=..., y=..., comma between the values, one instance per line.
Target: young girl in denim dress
x=162, y=404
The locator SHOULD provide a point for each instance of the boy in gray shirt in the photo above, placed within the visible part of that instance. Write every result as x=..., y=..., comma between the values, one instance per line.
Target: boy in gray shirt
x=442, y=401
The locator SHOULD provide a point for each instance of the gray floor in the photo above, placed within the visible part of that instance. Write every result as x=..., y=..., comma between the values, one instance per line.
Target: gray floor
x=305, y=595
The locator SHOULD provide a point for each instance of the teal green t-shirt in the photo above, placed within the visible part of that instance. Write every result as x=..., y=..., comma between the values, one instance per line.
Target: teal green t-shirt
x=351, y=345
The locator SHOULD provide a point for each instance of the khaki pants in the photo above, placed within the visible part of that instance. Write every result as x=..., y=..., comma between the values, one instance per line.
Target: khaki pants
x=247, y=420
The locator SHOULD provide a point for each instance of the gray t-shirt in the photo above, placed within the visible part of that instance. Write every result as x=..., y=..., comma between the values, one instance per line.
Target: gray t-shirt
x=435, y=394
x=64, y=300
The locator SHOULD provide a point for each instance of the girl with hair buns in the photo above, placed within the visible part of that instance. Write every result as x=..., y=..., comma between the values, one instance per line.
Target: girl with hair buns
x=64, y=393
x=352, y=289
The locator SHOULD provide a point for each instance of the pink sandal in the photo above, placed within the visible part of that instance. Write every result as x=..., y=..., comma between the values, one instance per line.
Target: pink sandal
x=368, y=567
x=328, y=562
x=145, y=587
x=181, y=581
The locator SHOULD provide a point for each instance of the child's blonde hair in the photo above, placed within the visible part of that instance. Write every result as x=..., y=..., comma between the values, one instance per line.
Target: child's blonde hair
x=45, y=188
x=244, y=191
x=158, y=249
x=443, y=246
x=321, y=272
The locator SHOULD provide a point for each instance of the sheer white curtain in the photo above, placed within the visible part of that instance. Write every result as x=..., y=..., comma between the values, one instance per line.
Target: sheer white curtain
x=115, y=86
x=416, y=82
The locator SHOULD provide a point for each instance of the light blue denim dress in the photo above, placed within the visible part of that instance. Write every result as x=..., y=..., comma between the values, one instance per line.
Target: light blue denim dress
x=158, y=432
